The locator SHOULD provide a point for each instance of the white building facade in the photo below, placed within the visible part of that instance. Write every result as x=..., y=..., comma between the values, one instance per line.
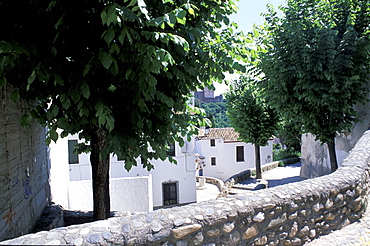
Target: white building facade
x=134, y=190
x=223, y=155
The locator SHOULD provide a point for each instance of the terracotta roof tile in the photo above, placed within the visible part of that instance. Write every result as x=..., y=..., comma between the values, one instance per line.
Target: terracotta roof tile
x=227, y=134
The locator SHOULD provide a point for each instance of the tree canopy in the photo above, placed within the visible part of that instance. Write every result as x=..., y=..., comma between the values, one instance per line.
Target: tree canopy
x=116, y=72
x=251, y=116
x=315, y=64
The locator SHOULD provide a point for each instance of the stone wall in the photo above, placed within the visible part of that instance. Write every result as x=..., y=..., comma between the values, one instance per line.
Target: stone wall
x=290, y=214
x=24, y=169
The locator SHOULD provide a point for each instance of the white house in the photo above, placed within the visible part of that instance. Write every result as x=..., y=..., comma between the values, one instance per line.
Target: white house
x=136, y=190
x=223, y=155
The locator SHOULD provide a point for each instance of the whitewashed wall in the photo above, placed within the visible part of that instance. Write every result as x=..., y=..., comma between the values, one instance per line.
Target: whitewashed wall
x=127, y=194
x=183, y=172
x=59, y=172
x=225, y=153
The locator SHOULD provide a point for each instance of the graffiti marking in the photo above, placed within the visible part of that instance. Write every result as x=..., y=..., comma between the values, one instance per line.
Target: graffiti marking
x=27, y=188
x=9, y=217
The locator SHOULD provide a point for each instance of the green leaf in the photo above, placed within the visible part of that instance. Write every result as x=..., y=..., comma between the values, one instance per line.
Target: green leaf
x=75, y=96
x=54, y=51
x=15, y=96
x=58, y=80
x=55, y=110
x=106, y=60
x=2, y=81
x=63, y=123
x=25, y=120
x=86, y=91
x=53, y=135
x=109, y=35
x=31, y=79
x=99, y=107
x=191, y=11
x=87, y=69
x=132, y=3
x=110, y=123
x=172, y=19
x=152, y=81
x=114, y=69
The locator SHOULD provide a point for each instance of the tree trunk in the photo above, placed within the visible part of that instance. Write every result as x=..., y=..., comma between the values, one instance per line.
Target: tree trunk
x=257, y=155
x=100, y=175
x=332, y=155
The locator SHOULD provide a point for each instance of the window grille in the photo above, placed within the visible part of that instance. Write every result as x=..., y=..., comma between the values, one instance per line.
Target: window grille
x=170, y=193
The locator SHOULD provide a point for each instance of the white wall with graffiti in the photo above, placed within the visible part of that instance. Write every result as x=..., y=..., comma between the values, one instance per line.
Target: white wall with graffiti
x=24, y=169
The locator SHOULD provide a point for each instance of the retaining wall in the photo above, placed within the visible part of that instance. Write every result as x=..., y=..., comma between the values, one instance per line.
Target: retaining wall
x=290, y=214
x=24, y=169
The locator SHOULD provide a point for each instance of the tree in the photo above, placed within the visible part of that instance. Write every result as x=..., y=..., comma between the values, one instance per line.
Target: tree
x=290, y=133
x=315, y=64
x=216, y=112
x=251, y=116
x=116, y=72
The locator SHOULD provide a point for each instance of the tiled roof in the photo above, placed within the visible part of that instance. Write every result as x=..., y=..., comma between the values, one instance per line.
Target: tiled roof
x=227, y=134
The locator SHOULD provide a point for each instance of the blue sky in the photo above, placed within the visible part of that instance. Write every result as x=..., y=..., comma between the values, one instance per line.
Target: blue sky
x=249, y=13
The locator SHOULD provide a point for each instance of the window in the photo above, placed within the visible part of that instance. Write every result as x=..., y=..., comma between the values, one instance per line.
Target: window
x=213, y=142
x=171, y=151
x=239, y=153
x=213, y=161
x=72, y=157
x=170, y=193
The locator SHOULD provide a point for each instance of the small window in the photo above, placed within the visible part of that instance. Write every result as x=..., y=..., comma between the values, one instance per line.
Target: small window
x=213, y=142
x=239, y=153
x=171, y=151
x=213, y=161
x=72, y=157
x=170, y=193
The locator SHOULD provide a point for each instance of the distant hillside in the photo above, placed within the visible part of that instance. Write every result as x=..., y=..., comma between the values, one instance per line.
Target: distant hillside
x=216, y=112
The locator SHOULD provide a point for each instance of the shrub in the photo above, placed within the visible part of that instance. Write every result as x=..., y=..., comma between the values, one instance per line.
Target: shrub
x=280, y=153
x=281, y=164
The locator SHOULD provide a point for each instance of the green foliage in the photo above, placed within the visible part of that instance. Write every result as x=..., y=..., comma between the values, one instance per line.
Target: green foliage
x=279, y=153
x=249, y=112
x=281, y=164
x=315, y=63
x=289, y=133
x=216, y=112
x=122, y=66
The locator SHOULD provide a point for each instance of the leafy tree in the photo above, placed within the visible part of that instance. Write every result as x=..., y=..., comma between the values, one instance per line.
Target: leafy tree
x=251, y=116
x=216, y=112
x=315, y=61
x=116, y=72
x=290, y=133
